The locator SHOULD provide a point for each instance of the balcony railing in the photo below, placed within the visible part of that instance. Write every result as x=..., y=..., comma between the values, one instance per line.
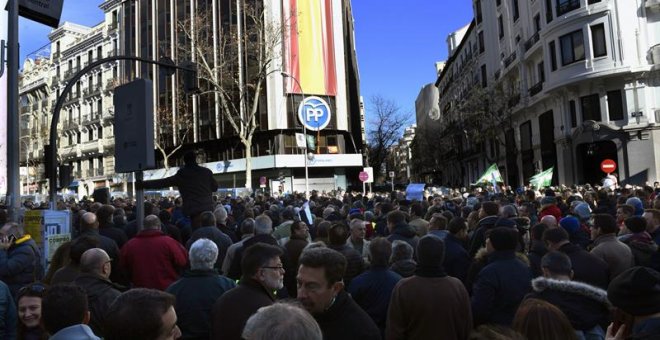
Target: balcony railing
x=98, y=172
x=109, y=113
x=567, y=6
x=73, y=97
x=56, y=55
x=70, y=124
x=510, y=59
x=531, y=41
x=91, y=146
x=91, y=118
x=112, y=26
x=94, y=90
x=514, y=100
x=536, y=88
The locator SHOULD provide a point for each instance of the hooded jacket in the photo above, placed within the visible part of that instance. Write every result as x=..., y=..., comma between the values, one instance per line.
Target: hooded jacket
x=585, y=306
x=406, y=233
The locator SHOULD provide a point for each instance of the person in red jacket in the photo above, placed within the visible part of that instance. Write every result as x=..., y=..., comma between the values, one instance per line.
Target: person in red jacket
x=549, y=207
x=152, y=259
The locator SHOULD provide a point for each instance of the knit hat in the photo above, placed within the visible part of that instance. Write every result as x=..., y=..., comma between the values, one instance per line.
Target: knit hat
x=354, y=211
x=503, y=238
x=430, y=251
x=548, y=200
x=636, y=291
x=583, y=211
x=471, y=202
x=570, y=224
x=637, y=204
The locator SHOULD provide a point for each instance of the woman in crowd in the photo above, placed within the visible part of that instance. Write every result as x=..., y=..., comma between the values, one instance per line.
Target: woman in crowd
x=29, y=312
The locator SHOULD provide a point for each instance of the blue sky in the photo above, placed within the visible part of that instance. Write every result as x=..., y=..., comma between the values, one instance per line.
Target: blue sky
x=398, y=42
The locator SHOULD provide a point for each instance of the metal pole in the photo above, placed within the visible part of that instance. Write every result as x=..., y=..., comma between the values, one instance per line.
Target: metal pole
x=139, y=200
x=284, y=74
x=13, y=148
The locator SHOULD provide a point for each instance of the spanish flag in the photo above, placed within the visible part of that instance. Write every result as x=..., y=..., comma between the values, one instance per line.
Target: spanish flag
x=310, y=46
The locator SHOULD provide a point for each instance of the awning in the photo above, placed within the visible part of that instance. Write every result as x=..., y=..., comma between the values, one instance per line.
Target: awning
x=74, y=184
x=415, y=191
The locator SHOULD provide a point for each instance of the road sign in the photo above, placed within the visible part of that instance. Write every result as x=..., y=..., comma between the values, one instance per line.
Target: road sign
x=364, y=176
x=608, y=166
x=370, y=171
x=262, y=180
x=391, y=174
x=314, y=113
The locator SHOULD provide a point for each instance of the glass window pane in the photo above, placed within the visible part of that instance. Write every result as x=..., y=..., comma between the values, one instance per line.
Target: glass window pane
x=578, y=46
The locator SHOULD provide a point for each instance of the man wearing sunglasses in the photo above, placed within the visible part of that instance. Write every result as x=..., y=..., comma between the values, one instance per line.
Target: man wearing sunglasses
x=20, y=259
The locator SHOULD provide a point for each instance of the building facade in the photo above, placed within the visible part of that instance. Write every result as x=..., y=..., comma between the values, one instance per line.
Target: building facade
x=85, y=128
x=577, y=82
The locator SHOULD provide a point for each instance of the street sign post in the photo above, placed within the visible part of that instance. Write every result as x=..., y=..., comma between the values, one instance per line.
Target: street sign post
x=364, y=177
x=262, y=181
x=608, y=166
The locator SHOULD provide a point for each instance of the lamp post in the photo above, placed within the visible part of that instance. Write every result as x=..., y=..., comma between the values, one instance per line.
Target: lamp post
x=286, y=75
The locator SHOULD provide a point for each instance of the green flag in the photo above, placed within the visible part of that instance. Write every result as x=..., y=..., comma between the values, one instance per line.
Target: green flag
x=542, y=179
x=492, y=173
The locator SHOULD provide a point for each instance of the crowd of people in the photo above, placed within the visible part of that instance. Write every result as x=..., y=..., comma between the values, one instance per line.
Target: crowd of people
x=558, y=263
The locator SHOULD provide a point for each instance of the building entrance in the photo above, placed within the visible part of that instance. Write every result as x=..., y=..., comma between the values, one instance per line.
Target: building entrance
x=588, y=159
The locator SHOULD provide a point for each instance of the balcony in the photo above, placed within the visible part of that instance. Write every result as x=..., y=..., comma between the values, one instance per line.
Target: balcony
x=566, y=6
x=73, y=97
x=70, y=151
x=25, y=109
x=91, y=118
x=531, y=41
x=70, y=124
x=98, y=171
x=510, y=59
x=514, y=100
x=112, y=53
x=55, y=81
x=536, y=88
x=69, y=73
x=112, y=26
x=90, y=147
x=56, y=55
x=93, y=91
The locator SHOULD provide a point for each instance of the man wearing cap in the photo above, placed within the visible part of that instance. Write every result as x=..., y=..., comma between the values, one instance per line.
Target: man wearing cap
x=446, y=306
x=637, y=292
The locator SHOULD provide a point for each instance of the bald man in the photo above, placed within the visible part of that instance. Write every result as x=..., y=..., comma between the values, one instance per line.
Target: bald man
x=94, y=278
x=550, y=221
x=153, y=259
x=89, y=226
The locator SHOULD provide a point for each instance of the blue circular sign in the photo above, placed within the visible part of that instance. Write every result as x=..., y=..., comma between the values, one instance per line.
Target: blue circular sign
x=314, y=113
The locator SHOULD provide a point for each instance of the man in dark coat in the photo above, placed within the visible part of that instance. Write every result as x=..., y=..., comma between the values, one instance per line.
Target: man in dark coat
x=488, y=216
x=101, y=292
x=457, y=261
x=263, y=274
x=209, y=231
x=502, y=284
x=636, y=291
x=400, y=230
x=587, y=267
x=107, y=227
x=337, y=236
x=536, y=248
x=89, y=226
x=198, y=289
x=20, y=259
x=321, y=292
x=195, y=183
x=585, y=306
x=445, y=309
x=372, y=289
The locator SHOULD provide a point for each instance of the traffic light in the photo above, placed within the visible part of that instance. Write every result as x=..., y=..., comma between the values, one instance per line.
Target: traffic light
x=190, y=82
x=48, y=161
x=65, y=177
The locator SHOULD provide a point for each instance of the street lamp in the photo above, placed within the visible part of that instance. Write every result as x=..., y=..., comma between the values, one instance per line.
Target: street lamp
x=286, y=75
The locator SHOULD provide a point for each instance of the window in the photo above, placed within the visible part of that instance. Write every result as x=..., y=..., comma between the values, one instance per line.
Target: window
x=590, y=107
x=516, y=11
x=565, y=6
x=548, y=11
x=484, y=76
x=573, y=112
x=537, y=23
x=498, y=2
x=615, y=105
x=572, y=47
x=598, y=40
x=500, y=26
x=477, y=6
x=591, y=2
x=553, y=56
x=541, y=71
x=482, y=47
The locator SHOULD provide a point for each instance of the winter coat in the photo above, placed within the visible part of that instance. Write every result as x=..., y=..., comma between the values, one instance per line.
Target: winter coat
x=605, y=207
x=587, y=267
x=218, y=237
x=20, y=264
x=372, y=290
x=550, y=209
x=117, y=273
x=457, y=261
x=478, y=238
x=406, y=233
x=231, y=311
x=195, y=293
x=66, y=274
x=429, y=308
x=354, y=262
x=195, y=183
x=618, y=256
x=643, y=248
x=153, y=260
x=293, y=249
x=345, y=320
x=536, y=252
x=500, y=287
x=421, y=226
x=116, y=234
x=585, y=306
x=405, y=268
x=381, y=227
x=100, y=295
x=8, y=313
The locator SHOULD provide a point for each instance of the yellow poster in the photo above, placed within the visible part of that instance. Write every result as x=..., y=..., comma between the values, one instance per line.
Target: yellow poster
x=33, y=224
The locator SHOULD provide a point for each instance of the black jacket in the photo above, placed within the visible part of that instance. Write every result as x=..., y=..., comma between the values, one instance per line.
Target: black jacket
x=100, y=295
x=536, y=252
x=19, y=265
x=345, y=320
x=478, y=238
x=116, y=234
x=354, y=262
x=196, y=292
x=587, y=268
x=218, y=237
x=195, y=183
x=232, y=310
x=111, y=248
x=406, y=233
x=585, y=306
x=457, y=261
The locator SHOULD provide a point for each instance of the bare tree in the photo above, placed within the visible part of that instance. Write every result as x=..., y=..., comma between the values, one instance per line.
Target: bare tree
x=385, y=129
x=172, y=133
x=234, y=64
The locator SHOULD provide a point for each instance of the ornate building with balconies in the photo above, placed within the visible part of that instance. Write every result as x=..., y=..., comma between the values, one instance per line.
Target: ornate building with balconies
x=85, y=128
x=580, y=79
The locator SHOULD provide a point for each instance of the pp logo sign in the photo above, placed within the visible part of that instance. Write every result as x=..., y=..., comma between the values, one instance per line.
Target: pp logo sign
x=314, y=113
